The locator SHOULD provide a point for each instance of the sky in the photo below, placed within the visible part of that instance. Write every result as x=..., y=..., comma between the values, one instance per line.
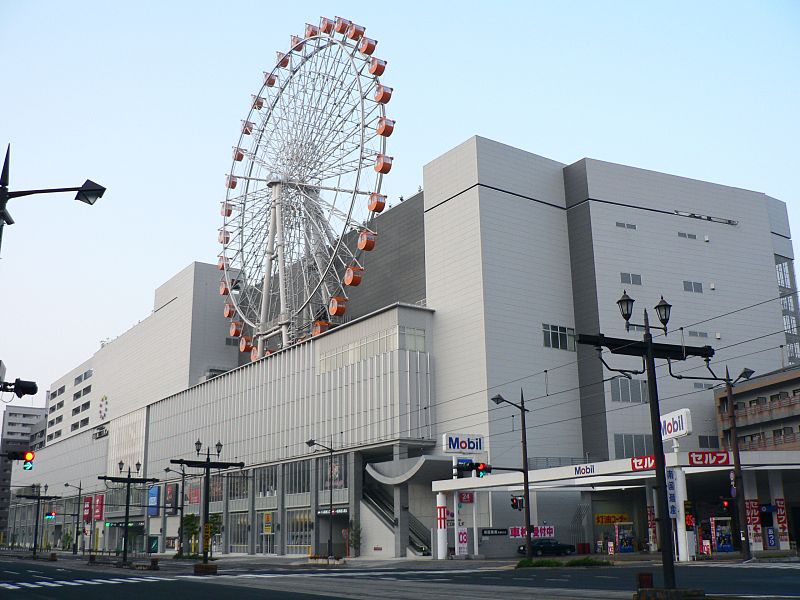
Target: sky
x=146, y=98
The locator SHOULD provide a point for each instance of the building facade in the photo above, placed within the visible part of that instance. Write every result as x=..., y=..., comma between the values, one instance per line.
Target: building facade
x=480, y=286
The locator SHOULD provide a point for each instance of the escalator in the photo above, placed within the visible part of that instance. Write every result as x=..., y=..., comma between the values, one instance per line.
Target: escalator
x=382, y=504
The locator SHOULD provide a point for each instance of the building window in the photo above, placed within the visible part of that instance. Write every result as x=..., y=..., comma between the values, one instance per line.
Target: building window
x=556, y=336
x=74, y=426
x=88, y=374
x=231, y=341
x=61, y=389
x=84, y=422
x=79, y=379
x=628, y=445
x=57, y=434
x=76, y=410
x=690, y=236
x=708, y=441
x=630, y=278
x=298, y=477
x=86, y=390
x=266, y=481
x=59, y=418
x=784, y=278
x=51, y=422
x=693, y=286
x=85, y=406
x=76, y=395
x=49, y=437
x=628, y=390
x=790, y=324
x=703, y=386
x=787, y=303
x=702, y=334
x=625, y=225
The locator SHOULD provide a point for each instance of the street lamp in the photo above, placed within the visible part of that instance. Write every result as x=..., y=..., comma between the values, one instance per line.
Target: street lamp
x=738, y=483
x=88, y=193
x=311, y=443
x=77, y=513
x=180, y=524
x=498, y=399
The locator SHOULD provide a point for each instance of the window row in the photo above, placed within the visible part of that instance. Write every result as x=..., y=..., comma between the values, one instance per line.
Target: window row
x=56, y=407
x=625, y=225
x=58, y=392
x=628, y=390
x=628, y=445
x=784, y=275
x=54, y=435
x=402, y=338
x=558, y=336
x=77, y=424
x=83, y=377
x=702, y=334
x=693, y=286
x=55, y=421
x=698, y=385
x=79, y=409
x=82, y=392
x=690, y=236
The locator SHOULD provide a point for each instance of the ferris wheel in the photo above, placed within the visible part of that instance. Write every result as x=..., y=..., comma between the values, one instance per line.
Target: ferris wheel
x=304, y=187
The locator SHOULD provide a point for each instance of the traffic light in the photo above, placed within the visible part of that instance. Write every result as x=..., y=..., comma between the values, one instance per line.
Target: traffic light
x=51, y=515
x=725, y=504
x=518, y=502
x=25, y=455
x=463, y=467
x=514, y=503
x=20, y=387
x=482, y=469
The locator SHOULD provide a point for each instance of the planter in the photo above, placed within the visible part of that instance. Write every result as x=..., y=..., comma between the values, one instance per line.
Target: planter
x=205, y=569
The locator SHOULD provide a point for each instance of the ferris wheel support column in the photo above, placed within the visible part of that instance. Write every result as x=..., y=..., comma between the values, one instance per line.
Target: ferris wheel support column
x=279, y=251
x=262, y=322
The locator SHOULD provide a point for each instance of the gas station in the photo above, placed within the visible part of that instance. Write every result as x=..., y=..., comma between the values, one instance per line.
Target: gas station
x=622, y=497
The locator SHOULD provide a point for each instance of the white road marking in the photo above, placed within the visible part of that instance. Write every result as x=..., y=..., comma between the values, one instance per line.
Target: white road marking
x=106, y=581
x=32, y=571
x=64, y=582
x=88, y=581
x=564, y=579
x=42, y=576
x=606, y=576
x=12, y=572
x=30, y=585
x=8, y=586
x=49, y=584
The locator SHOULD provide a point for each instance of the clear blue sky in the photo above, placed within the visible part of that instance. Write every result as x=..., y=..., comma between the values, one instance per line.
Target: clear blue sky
x=146, y=98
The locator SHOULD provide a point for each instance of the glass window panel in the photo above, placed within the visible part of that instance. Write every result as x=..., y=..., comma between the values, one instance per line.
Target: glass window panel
x=625, y=391
x=628, y=439
x=648, y=444
x=687, y=286
x=619, y=446
x=636, y=391
x=638, y=445
x=698, y=287
x=615, y=390
x=636, y=279
x=625, y=277
x=630, y=225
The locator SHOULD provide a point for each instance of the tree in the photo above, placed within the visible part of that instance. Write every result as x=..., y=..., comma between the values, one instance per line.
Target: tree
x=191, y=526
x=355, y=537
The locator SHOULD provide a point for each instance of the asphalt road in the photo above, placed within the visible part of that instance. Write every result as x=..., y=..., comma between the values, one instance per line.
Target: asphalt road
x=396, y=581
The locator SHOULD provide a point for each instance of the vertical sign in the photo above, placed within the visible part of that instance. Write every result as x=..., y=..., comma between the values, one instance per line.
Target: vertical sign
x=171, y=498
x=672, y=498
x=462, y=541
x=754, y=520
x=87, y=509
x=99, y=505
x=651, y=526
x=206, y=537
x=780, y=518
x=267, y=522
x=153, y=495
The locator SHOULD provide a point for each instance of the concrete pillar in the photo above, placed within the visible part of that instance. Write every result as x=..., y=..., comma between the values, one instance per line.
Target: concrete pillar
x=255, y=528
x=441, y=526
x=225, y=517
x=753, y=510
x=400, y=452
x=279, y=518
x=316, y=464
x=680, y=519
x=355, y=491
x=780, y=520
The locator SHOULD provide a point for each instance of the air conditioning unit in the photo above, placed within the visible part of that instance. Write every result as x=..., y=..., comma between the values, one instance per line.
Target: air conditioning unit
x=99, y=432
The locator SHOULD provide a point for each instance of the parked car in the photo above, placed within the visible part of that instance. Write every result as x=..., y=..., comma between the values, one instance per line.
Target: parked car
x=551, y=546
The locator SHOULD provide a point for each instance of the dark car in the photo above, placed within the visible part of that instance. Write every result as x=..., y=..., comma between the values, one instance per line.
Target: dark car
x=551, y=546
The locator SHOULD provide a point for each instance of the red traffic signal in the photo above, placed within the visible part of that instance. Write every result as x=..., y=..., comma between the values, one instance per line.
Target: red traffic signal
x=482, y=469
x=514, y=503
x=28, y=455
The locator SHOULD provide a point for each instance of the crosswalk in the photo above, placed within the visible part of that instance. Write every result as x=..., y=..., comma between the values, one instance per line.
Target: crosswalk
x=746, y=565
x=21, y=585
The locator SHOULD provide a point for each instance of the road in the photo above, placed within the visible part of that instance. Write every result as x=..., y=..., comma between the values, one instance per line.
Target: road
x=424, y=580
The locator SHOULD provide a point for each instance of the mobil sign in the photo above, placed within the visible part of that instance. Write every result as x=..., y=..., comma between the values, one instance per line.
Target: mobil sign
x=462, y=443
x=676, y=424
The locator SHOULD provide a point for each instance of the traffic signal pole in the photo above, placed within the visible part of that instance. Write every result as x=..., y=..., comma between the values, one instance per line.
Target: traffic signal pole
x=526, y=492
x=738, y=482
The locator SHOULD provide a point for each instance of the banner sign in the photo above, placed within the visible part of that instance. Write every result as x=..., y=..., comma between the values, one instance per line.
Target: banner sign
x=709, y=458
x=643, y=463
x=753, y=520
x=87, y=509
x=153, y=496
x=610, y=518
x=672, y=496
x=267, y=522
x=99, y=505
x=780, y=518
x=537, y=531
x=462, y=541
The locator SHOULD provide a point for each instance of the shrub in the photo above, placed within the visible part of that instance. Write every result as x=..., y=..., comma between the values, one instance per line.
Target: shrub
x=588, y=561
x=539, y=562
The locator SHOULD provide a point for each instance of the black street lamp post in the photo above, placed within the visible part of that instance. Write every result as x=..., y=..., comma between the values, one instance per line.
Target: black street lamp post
x=77, y=513
x=89, y=192
x=128, y=480
x=649, y=351
x=38, y=497
x=206, y=465
x=311, y=443
x=526, y=493
x=183, y=491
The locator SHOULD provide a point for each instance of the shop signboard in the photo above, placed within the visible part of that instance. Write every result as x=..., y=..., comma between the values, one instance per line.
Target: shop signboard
x=610, y=518
x=672, y=494
x=643, y=463
x=466, y=497
x=537, y=531
x=676, y=424
x=267, y=522
x=462, y=541
x=709, y=459
x=753, y=520
x=462, y=443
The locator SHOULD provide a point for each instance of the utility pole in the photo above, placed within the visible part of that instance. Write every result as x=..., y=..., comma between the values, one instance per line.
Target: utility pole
x=127, y=481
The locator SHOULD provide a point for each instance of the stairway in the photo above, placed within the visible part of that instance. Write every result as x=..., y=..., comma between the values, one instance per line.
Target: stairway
x=382, y=504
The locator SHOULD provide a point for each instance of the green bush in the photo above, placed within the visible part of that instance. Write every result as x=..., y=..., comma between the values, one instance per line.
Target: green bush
x=588, y=561
x=539, y=562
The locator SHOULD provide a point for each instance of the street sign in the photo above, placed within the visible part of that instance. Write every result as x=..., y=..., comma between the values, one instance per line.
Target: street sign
x=206, y=537
x=488, y=532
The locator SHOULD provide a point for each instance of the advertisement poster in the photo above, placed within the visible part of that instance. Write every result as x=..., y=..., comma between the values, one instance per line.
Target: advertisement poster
x=153, y=495
x=171, y=498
